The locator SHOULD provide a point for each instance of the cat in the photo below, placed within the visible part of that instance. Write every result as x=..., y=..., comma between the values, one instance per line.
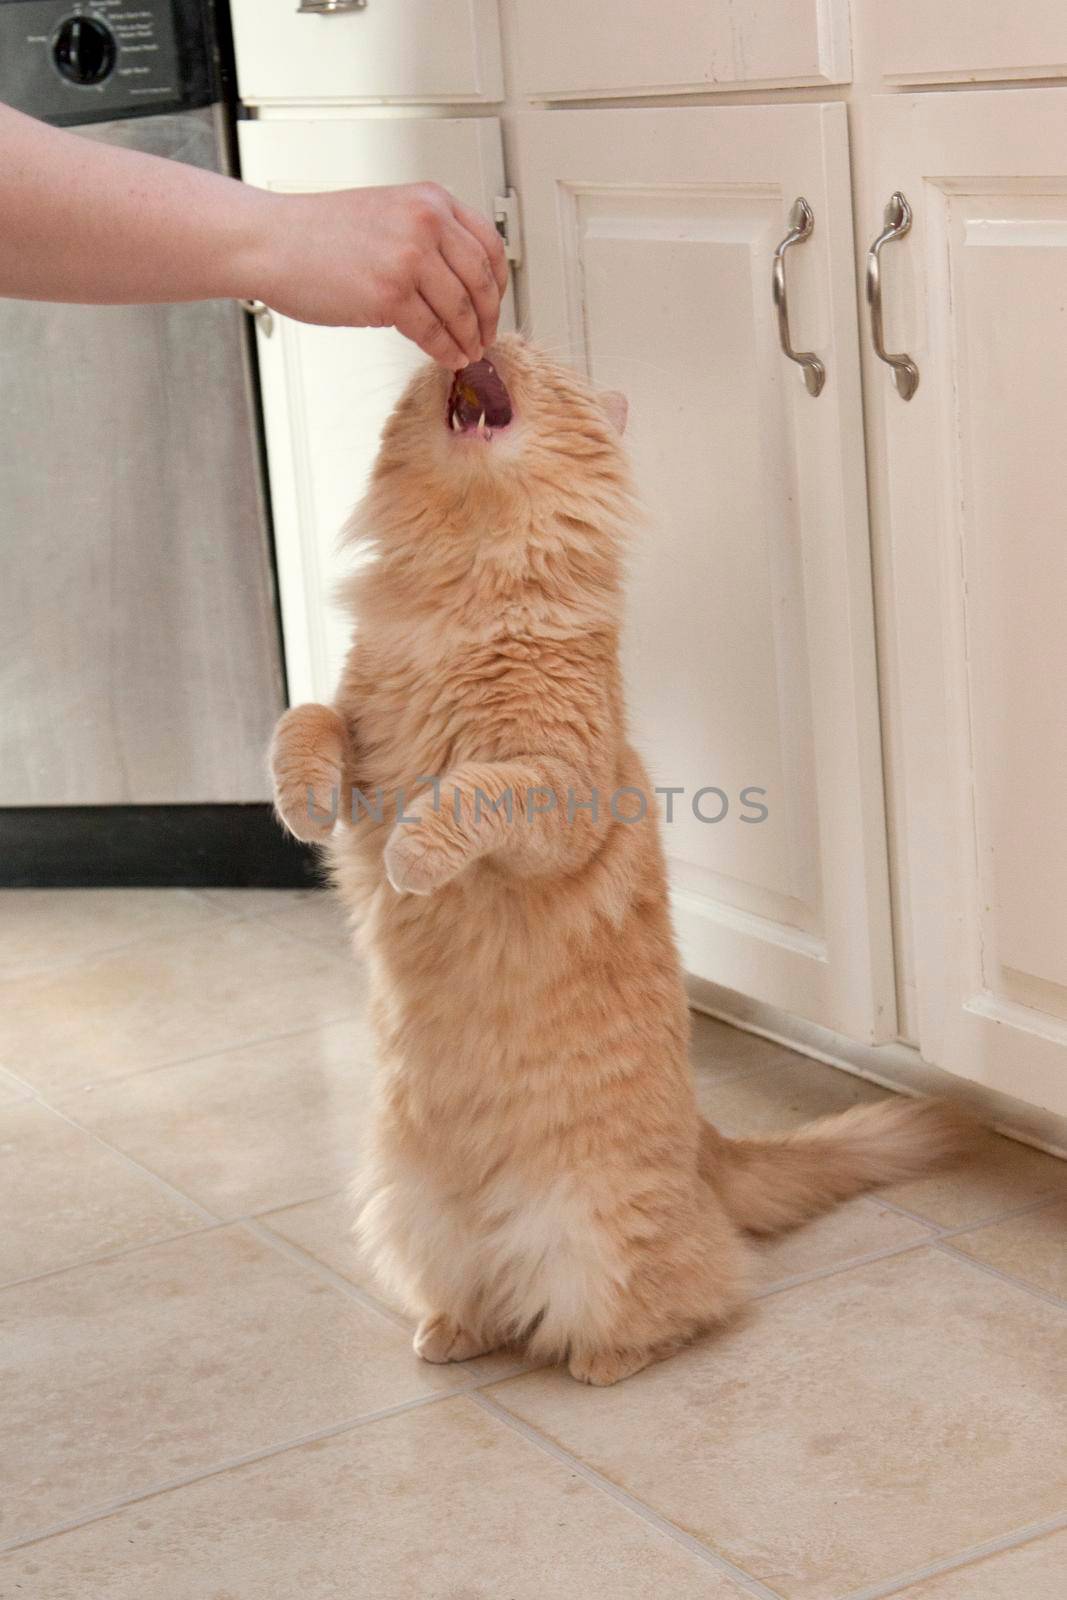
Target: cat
x=539, y=1172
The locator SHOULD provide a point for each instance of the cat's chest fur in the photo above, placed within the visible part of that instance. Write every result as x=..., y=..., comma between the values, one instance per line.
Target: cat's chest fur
x=427, y=700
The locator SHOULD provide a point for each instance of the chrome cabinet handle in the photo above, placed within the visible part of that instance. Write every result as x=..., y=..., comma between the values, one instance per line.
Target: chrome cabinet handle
x=263, y=315
x=801, y=223
x=897, y=221
x=322, y=8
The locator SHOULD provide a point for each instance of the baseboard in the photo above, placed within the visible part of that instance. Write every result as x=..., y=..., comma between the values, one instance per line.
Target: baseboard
x=157, y=847
x=893, y=1066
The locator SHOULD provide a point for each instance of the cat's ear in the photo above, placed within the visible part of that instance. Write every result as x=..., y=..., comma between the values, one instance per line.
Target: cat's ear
x=617, y=408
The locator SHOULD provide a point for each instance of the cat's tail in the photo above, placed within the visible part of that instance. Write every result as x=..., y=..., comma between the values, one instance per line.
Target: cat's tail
x=768, y=1185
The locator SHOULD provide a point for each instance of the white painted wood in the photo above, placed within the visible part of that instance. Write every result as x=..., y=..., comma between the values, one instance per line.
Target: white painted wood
x=327, y=391
x=976, y=479
x=580, y=48
x=649, y=242
x=964, y=41
x=421, y=50
x=893, y=1066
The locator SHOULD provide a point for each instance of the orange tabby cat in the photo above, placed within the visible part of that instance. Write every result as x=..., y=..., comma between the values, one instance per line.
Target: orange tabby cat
x=539, y=1171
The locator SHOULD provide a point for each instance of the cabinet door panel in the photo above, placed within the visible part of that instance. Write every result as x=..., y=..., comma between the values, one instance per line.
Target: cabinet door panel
x=650, y=237
x=422, y=50
x=578, y=48
x=977, y=482
x=327, y=391
x=965, y=40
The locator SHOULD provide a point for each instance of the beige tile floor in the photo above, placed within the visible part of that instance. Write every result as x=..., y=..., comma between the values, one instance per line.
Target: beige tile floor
x=203, y=1395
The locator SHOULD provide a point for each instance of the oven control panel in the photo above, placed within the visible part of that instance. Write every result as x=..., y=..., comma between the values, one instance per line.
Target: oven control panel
x=72, y=61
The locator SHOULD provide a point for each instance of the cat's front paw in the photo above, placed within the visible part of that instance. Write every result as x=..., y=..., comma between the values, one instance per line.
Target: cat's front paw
x=307, y=759
x=418, y=863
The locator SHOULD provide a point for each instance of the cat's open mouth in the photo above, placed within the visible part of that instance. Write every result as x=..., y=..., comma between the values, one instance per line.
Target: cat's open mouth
x=478, y=402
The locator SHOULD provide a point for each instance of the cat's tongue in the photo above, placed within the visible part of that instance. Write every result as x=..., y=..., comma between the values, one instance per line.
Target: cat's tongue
x=478, y=399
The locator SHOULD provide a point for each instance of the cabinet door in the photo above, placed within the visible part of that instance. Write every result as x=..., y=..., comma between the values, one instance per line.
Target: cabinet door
x=976, y=484
x=327, y=391
x=578, y=48
x=750, y=654
x=423, y=50
x=963, y=41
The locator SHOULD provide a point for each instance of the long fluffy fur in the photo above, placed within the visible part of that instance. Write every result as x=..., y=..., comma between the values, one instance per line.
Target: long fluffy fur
x=538, y=1170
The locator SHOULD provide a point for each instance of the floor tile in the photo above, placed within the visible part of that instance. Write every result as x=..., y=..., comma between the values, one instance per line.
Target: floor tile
x=254, y=902
x=719, y=1051
x=1000, y=1177
x=1032, y=1247
x=41, y=928
x=12, y=1091
x=169, y=1000
x=174, y=1359
x=65, y=1198
x=440, y=1503
x=860, y=1228
x=851, y=1429
x=315, y=915
x=1002, y=1174
x=323, y=1228
x=1034, y=1571
x=782, y=1097
x=258, y=1126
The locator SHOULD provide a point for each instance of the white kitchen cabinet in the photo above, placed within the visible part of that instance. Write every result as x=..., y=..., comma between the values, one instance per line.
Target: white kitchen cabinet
x=422, y=50
x=327, y=391
x=964, y=41
x=578, y=48
x=750, y=652
x=650, y=236
x=976, y=485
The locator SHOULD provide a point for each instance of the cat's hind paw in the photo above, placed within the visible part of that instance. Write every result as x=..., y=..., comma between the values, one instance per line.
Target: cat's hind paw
x=441, y=1339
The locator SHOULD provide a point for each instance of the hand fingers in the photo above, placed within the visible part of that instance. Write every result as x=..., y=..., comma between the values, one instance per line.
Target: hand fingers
x=446, y=295
x=468, y=260
x=487, y=236
x=419, y=322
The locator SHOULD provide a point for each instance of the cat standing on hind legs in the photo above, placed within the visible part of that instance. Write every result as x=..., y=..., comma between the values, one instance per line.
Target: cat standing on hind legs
x=539, y=1171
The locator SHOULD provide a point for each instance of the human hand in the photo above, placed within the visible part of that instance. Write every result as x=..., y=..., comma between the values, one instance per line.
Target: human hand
x=407, y=256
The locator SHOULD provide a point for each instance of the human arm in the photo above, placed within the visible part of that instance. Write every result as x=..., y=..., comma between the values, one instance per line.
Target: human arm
x=92, y=223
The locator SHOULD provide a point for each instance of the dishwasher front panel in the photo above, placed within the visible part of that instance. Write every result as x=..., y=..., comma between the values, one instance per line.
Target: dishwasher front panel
x=141, y=658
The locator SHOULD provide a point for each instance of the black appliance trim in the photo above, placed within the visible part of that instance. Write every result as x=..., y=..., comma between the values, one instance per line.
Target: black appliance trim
x=142, y=847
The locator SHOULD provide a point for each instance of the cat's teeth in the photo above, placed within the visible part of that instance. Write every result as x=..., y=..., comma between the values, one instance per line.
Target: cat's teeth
x=456, y=424
x=481, y=422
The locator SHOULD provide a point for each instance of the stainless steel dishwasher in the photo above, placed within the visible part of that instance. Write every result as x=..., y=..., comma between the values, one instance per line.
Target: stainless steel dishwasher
x=140, y=656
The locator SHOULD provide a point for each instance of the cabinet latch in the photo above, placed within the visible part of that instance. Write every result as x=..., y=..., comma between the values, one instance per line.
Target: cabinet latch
x=508, y=221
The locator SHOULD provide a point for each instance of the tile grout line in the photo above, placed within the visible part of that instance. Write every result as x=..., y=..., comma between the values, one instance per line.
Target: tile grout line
x=946, y=1248
x=233, y=1463
x=364, y=1298
x=964, y=1558
x=111, y=1255
x=167, y=1238
x=1051, y=1198
x=819, y=1273
x=170, y=1189
x=310, y=1263
x=638, y=1508
x=332, y=1021
x=935, y=1237
x=368, y=1301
